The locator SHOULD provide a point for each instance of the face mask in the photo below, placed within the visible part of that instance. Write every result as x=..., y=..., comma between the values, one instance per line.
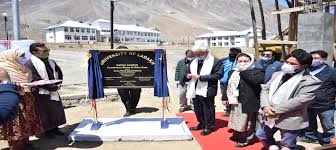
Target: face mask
x=243, y=65
x=287, y=69
x=317, y=62
x=22, y=60
x=44, y=55
x=267, y=59
x=201, y=58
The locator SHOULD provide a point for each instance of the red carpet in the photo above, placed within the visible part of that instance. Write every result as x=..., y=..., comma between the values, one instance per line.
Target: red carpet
x=218, y=140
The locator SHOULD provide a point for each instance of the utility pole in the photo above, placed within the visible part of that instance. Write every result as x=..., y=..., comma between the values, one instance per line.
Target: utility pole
x=16, y=19
x=6, y=29
x=112, y=28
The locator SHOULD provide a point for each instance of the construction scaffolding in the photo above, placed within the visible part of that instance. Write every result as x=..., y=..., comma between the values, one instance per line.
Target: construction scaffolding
x=287, y=39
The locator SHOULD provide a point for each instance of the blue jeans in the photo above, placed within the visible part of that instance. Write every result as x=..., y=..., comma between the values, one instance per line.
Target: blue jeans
x=265, y=135
x=327, y=120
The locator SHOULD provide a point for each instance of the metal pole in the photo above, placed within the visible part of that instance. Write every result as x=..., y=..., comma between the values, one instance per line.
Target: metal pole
x=112, y=29
x=16, y=19
x=6, y=30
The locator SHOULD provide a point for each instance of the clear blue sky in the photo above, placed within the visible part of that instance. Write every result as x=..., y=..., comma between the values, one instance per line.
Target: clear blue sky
x=282, y=2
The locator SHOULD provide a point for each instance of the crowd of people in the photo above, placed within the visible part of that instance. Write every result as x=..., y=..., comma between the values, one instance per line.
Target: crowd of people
x=39, y=110
x=261, y=97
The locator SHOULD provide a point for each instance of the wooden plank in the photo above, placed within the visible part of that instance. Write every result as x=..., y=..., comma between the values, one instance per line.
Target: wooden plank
x=276, y=42
x=288, y=10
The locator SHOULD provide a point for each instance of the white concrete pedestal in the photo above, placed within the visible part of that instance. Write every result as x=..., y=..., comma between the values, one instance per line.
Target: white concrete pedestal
x=132, y=129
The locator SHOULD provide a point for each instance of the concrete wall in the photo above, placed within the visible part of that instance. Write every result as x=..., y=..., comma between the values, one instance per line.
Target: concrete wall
x=316, y=32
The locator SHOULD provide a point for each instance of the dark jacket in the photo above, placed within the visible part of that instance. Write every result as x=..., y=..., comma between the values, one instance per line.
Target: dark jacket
x=216, y=74
x=9, y=102
x=181, y=70
x=249, y=89
x=325, y=95
x=269, y=69
x=37, y=77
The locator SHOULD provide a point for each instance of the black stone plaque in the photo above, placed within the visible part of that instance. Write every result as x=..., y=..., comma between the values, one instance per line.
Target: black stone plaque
x=128, y=68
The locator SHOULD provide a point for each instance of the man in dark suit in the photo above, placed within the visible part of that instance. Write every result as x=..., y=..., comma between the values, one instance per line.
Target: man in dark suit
x=204, y=72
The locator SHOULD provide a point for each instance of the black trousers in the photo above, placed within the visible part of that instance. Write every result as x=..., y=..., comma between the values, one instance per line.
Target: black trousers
x=204, y=108
x=130, y=98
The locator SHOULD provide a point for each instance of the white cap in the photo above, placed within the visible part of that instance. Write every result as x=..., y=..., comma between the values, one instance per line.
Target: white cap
x=195, y=48
x=203, y=48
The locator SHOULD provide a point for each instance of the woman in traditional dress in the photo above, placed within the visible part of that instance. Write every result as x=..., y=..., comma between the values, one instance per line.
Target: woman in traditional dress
x=28, y=122
x=242, y=95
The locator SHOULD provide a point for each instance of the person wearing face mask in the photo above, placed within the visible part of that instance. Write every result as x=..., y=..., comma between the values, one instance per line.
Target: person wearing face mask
x=181, y=70
x=27, y=122
x=204, y=72
x=284, y=101
x=49, y=103
x=268, y=64
x=323, y=105
x=228, y=65
x=242, y=93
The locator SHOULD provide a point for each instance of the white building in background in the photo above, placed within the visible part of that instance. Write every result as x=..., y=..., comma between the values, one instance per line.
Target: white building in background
x=103, y=29
x=125, y=33
x=71, y=32
x=229, y=38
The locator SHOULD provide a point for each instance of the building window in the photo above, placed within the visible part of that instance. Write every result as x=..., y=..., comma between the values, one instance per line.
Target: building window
x=219, y=38
x=92, y=38
x=213, y=44
x=238, y=36
x=67, y=37
x=214, y=39
x=238, y=42
x=50, y=29
x=93, y=31
x=84, y=37
x=145, y=33
x=77, y=29
x=226, y=43
x=88, y=30
x=220, y=44
x=233, y=43
x=66, y=29
x=123, y=33
x=71, y=29
x=141, y=34
x=82, y=30
x=77, y=37
x=226, y=38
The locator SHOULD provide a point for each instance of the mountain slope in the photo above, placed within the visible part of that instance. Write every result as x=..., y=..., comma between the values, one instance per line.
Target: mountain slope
x=176, y=19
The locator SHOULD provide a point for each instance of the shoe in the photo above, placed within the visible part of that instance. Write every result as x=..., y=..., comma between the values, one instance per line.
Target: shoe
x=30, y=146
x=58, y=132
x=240, y=144
x=49, y=135
x=307, y=140
x=234, y=138
x=181, y=110
x=206, y=132
x=196, y=128
x=128, y=113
